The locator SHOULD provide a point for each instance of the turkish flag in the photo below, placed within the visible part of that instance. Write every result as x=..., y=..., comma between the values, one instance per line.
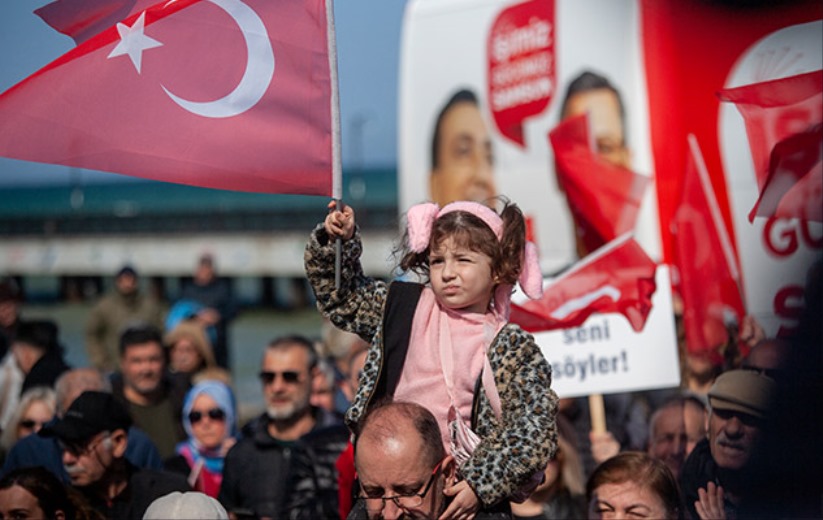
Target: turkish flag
x=219, y=93
x=709, y=279
x=794, y=186
x=604, y=198
x=619, y=277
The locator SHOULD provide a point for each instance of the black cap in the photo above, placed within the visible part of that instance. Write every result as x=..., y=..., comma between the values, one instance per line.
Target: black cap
x=91, y=413
x=129, y=270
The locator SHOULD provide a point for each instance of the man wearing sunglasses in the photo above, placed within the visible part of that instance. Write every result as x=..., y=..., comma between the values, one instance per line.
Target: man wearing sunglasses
x=401, y=463
x=93, y=438
x=259, y=474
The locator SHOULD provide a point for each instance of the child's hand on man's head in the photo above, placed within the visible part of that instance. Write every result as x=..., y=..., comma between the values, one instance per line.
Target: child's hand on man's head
x=339, y=223
x=464, y=505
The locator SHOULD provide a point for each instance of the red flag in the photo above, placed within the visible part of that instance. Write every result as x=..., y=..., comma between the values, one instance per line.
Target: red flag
x=219, y=93
x=83, y=19
x=774, y=111
x=619, y=277
x=794, y=187
x=707, y=266
x=604, y=198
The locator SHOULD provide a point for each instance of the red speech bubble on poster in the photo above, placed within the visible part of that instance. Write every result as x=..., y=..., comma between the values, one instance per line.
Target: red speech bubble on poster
x=521, y=65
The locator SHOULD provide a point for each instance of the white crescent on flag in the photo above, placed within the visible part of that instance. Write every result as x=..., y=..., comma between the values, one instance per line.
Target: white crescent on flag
x=259, y=67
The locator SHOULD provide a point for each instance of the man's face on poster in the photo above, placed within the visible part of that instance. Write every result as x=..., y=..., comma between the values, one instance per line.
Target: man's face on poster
x=606, y=122
x=463, y=166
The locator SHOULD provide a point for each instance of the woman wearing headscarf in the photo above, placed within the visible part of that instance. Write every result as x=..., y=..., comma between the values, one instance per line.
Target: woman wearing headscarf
x=210, y=420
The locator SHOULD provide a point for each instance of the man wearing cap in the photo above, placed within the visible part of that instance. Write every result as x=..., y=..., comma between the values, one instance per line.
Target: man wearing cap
x=115, y=311
x=34, y=450
x=740, y=401
x=93, y=437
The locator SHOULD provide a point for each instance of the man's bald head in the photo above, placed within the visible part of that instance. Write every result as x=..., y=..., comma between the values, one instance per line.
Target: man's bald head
x=390, y=424
x=74, y=382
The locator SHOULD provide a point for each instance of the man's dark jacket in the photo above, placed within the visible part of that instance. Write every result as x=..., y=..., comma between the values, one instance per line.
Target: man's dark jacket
x=258, y=474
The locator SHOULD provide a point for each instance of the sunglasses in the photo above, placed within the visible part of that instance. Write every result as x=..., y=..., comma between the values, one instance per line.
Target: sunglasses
x=29, y=424
x=289, y=376
x=215, y=414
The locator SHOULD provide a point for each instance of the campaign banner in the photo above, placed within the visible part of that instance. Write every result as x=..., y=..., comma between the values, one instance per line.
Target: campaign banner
x=484, y=82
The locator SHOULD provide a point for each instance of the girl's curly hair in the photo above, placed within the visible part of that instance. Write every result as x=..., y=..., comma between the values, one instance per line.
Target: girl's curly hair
x=472, y=233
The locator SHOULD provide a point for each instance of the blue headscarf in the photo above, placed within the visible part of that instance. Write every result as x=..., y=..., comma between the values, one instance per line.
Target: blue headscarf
x=224, y=398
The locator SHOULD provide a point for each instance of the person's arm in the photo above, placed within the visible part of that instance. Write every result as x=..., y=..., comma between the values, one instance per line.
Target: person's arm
x=525, y=437
x=95, y=339
x=357, y=306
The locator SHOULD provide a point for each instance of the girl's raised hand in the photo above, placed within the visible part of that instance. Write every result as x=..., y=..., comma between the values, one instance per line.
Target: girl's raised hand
x=339, y=223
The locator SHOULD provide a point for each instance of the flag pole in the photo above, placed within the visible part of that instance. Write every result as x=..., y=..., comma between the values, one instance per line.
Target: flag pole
x=337, y=168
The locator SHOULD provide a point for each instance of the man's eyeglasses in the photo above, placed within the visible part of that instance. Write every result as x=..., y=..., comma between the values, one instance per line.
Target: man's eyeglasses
x=215, y=414
x=410, y=501
x=289, y=376
x=78, y=449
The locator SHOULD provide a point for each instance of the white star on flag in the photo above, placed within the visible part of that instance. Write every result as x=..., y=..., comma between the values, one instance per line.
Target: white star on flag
x=133, y=42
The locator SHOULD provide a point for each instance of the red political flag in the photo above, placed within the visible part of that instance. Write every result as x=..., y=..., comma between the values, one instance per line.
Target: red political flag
x=773, y=112
x=794, y=186
x=619, y=277
x=709, y=279
x=224, y=94
x=604, y=198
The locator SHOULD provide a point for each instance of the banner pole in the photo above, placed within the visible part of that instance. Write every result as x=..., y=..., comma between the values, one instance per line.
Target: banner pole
x=598, y=413
x=337, y=168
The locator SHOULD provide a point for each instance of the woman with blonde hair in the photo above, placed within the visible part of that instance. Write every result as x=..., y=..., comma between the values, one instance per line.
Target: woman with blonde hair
x=36, y=407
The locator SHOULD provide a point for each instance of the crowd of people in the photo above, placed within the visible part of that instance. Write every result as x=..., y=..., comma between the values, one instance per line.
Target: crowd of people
x=416, y=400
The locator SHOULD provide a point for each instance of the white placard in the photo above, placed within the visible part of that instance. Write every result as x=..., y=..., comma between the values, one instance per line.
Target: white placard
x=606, y=356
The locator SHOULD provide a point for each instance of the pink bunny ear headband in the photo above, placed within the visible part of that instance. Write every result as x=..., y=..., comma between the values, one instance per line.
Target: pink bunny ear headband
x=420, y=220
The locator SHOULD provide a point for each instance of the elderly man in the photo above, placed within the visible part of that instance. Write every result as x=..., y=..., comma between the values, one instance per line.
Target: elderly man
x=93, y=437
x=402, y=465
x=675, y=428
x=258, y=472
x=715, y=472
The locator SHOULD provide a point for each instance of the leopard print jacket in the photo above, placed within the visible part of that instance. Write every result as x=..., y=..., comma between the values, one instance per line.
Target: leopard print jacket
x=513, y=447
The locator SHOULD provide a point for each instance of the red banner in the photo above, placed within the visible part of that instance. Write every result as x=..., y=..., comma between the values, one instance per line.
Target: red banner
x=219, y=93
x=619, y=277
x=690, y=48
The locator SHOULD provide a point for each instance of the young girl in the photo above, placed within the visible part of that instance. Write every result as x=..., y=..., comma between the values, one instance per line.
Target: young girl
x=446, y=344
